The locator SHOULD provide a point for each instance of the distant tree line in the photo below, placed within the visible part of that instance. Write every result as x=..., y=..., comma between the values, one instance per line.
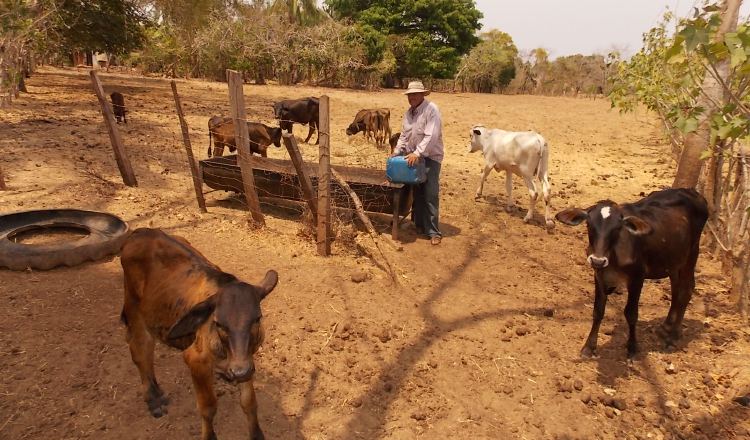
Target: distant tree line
x=346, y=43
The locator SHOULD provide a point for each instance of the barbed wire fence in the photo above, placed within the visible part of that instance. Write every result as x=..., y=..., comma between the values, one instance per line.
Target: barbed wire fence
x=355, y=170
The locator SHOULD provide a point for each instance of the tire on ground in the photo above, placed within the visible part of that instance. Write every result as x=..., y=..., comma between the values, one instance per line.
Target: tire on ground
x=105, y=236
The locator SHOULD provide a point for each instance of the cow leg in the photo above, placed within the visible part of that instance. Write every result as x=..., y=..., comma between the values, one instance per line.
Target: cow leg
x=635, y=284
x=546, y=194
x=683, y=284
x=201, y=371
x=508, y=191
x=250, y=406
x=485, y=173
x=141, y=345
x=218, y=149
x=533, y=195
x=600, y=303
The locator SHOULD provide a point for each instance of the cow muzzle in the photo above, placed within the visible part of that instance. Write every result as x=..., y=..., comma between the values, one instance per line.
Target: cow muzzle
x=598, y=262
x=239, y=372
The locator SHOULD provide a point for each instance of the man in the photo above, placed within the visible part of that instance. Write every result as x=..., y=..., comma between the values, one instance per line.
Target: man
x=422, y=138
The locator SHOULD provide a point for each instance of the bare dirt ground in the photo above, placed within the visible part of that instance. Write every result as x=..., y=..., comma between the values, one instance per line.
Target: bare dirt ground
x=463, y=348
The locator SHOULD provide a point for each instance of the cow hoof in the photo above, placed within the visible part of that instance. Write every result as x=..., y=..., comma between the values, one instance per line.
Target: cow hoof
x=743, y=400
x=477, y=197
x=509, y=208
x=550, y=224
x=158, y=406
x=588, y=352
x=257, y=435
x=527, y=219
x=158, y=411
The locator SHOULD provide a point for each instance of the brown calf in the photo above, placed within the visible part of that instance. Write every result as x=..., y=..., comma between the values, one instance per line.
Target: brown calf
x=174, y=294
x=653, y=238
x=373, y=123
x=221, y=129
x=118, y=107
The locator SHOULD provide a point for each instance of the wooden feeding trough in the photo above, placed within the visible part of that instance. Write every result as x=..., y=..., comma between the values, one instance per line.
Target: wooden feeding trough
x=277, y=178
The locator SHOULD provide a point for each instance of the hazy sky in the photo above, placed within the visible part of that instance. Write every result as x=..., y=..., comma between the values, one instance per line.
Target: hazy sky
x=566, y=27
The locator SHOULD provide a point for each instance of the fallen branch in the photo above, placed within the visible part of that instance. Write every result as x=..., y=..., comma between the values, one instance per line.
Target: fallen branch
x=366, y=220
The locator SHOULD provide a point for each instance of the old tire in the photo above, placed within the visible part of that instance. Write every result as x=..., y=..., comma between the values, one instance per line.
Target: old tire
x=105, y=236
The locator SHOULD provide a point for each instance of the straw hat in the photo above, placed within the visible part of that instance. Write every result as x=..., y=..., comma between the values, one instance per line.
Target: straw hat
x=416, y=87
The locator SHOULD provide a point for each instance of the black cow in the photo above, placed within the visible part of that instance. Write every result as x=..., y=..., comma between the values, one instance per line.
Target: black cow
x=301, y=111
x=118, y=106
x=653, y=238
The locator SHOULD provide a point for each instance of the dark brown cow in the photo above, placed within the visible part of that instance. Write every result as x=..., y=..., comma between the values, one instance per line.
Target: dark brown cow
x=393, y=140
x=301, y=111
x=653, y=238
x=118, y=107
x=221, y=129
x=175, y=295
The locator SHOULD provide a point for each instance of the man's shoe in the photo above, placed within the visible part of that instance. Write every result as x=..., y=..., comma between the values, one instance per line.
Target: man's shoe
x=436, y=240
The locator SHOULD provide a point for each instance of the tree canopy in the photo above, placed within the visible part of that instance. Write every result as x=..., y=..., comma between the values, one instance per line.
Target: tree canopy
x=491, y=64
x=426, y=37
x=113, y=26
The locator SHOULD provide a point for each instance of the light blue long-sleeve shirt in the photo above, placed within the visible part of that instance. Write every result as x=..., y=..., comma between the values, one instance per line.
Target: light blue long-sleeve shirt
x=422, y=132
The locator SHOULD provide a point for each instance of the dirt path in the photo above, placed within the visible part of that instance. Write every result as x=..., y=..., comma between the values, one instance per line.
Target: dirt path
x=465, y=347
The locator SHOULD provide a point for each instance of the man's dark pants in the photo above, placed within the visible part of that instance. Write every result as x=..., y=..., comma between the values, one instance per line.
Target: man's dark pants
x=425, y=209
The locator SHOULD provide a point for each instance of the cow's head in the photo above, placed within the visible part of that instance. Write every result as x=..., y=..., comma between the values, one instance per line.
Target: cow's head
x=235, y=317
x=393, y=141
x=275, y=134
x=478, y=135
x=610, y=232
x=277, y=106
x=354, y=128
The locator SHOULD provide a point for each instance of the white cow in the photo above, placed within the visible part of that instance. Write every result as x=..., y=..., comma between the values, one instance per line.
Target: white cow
x=523, y=153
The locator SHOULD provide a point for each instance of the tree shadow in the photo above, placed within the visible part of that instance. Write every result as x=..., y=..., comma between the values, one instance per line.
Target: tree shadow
x=367, y=420
x=611, y=359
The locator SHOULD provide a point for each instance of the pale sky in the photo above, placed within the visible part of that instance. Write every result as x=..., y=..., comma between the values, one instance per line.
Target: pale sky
x=566, y=27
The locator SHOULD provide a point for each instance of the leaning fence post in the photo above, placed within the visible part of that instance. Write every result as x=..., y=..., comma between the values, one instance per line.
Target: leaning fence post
x=2, y=180
x=304, y=179
x=324, y=180
x=197, y=181
x=237, y=107
x=121, y=156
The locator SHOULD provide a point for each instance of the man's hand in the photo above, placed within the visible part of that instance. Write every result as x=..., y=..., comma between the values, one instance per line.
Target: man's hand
x=411, y=159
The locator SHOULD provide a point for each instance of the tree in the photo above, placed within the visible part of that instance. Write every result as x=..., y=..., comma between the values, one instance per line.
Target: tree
x=112, y=26
x=427, y=37
x=689, y=168
x=304, y=12
x=491, y=64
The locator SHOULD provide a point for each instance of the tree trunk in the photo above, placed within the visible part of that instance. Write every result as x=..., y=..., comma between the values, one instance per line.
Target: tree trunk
x=689, y=167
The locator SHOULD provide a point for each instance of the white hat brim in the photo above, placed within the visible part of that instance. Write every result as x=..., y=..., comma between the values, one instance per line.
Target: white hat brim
x=410, y=91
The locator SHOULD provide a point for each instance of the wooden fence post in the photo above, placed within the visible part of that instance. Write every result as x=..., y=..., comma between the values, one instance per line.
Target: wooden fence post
x=242, y=139
x=324, y=180
x=2, y=180
x=121, y=156
x=197, y=181
x=304, y=180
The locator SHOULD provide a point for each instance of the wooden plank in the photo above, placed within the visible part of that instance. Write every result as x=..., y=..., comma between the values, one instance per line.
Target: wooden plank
x=2, y=180
x=324, y=180
x=304, y=179
x=197, y=182
x=121, y=156
x=237, y=107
